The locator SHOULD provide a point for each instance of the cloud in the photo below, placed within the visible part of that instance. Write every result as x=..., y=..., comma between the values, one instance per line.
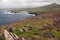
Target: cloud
x=25, y=3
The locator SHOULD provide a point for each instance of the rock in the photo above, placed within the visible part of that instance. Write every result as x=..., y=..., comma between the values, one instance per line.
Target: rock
x=20, y=38
x=21, y=30
x=58, y=30
x=7, y=35
x=33, y=13
x=49, y=35
x=30, y=28
x=10, y=29
x=28, y=38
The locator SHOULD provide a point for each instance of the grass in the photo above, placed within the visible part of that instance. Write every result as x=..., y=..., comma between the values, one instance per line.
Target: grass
x=30, y=10
x=1, y=38
x=56, y=34
x=17, y=32
x=35, y=25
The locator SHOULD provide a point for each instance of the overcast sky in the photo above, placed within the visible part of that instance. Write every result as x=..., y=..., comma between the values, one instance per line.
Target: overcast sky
x=25, y=3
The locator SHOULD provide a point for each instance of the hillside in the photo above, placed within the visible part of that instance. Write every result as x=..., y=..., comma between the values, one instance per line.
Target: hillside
x=52, y=6
x=41, y=27
x=47, y=8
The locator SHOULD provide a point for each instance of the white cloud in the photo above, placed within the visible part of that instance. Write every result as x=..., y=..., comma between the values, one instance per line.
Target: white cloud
x=25, y=3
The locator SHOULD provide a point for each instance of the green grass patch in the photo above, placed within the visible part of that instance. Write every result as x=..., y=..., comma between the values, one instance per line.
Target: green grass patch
x=56, y=34
x=1, y=38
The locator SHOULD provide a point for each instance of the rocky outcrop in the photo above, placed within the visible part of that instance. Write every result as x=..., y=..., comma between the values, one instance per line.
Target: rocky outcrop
x=7, y=35
x=10, y=36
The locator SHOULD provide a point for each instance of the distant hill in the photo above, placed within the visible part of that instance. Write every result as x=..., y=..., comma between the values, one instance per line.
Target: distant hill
x=51, y=7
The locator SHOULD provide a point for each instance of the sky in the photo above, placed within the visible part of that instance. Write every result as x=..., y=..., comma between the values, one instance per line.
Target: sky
x=25, y=3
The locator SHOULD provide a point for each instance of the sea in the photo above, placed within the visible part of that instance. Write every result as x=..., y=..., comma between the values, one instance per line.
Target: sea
x=9, y=17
